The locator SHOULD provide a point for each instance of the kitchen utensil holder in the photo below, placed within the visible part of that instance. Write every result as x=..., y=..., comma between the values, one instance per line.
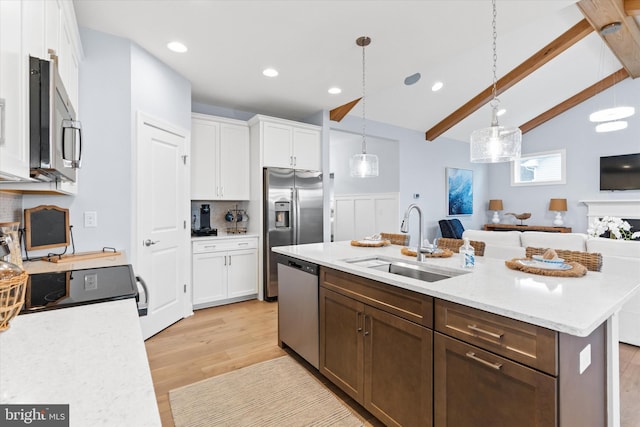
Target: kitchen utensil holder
x=235, y=229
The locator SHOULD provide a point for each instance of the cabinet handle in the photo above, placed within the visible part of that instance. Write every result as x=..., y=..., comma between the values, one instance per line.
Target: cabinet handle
x=295, y=160
x=2, y=108
x=496, y=366
x=291, y=160
x=222, y=190
x=358, y=326
x=243, y=244
x=482, y=331
x=225, y=260
x=229, y=259
x=209, y=246
x=365, y=325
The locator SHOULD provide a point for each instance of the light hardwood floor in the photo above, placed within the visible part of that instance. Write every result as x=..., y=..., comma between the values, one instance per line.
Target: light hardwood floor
x=225, y=338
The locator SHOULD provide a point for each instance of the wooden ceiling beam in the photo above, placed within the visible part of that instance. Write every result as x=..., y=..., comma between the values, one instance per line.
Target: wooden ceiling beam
x=592, y=90
x=537, y=60
x=624, y=43
x=632, y=7
x=338, y=113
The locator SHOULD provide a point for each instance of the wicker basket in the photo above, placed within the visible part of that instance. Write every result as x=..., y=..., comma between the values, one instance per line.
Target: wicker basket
x=11, y=298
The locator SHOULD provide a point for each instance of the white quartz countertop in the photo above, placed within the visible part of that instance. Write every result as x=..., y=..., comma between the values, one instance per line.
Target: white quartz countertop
x=91, y=357
x=225, y=236
x=571, y=305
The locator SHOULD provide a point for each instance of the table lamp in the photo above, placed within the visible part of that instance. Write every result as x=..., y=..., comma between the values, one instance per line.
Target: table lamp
x=495, y=205
x=558, y=206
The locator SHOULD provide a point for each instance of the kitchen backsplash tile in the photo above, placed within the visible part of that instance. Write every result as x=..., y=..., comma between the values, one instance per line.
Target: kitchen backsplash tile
x=219, y=210
x=10, y=207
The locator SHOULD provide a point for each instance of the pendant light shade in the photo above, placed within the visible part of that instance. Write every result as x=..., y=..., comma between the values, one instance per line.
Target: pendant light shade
x=495, y=143
x=363, y=165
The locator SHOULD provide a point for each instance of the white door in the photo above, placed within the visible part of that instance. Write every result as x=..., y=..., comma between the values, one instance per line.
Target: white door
x=162, y=237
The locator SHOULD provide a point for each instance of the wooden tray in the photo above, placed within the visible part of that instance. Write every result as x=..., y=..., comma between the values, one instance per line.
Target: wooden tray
x=370, y=243
x=80, y=256
x=446, y=253
x=577, y=270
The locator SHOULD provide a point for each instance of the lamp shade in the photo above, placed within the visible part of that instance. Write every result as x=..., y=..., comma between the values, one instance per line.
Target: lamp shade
x=495, y=144
x=495, y=205
x=558, y=205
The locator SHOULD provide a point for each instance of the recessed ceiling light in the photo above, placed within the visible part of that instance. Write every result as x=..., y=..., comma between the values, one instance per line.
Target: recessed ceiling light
x=611, y=126
x=177, y=47
x=270, y=72
x=335, y=90
x=437, y=86
x=501, y=112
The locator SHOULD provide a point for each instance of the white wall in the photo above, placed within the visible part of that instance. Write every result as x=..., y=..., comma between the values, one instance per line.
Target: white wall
x=572, y=131
x=421, y=170
x=116, y=78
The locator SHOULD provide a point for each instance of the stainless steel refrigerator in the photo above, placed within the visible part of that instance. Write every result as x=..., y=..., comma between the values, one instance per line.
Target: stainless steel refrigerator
x=293, y=215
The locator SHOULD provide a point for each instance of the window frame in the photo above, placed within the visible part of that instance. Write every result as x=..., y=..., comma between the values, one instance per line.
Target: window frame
x=515, y=168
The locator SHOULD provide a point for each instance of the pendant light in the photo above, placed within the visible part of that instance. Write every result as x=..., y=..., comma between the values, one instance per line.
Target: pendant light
x=496, y=143
x=364, y=165
x=610, y=119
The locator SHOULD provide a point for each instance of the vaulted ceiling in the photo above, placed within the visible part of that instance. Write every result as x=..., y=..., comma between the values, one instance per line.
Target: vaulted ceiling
x=549, y=55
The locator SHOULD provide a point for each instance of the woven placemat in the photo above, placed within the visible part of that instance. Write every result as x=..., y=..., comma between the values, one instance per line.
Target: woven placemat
x=370, y=243
x=446, y=253
x=577, y=270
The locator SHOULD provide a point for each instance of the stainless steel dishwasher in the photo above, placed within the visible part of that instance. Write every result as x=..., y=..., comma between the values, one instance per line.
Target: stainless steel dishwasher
x=298, y=307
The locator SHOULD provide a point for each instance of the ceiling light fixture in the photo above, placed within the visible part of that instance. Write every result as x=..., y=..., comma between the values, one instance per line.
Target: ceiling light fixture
x=437, y=86
x=334, y=90
x=363, y=165
x=610, y=119
x=270, y=72
x=177, y=47
x=496, y=143
x=501, y=112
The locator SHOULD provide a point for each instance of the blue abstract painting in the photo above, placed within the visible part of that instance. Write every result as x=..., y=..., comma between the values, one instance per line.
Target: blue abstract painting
x=459, y=191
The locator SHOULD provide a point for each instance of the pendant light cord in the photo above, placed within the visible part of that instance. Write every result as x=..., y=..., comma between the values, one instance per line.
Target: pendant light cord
x=495, y=101
x=364, y=100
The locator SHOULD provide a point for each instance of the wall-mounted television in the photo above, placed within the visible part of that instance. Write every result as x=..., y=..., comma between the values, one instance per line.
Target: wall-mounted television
x=620, y=172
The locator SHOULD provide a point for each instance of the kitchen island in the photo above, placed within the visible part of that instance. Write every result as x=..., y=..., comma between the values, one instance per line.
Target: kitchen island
x=574, y=308
x=91, y=357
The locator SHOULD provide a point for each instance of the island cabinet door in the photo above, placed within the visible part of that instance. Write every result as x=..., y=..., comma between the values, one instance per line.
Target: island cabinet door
x=473, y=387
x=398, y=370
x=341, y=342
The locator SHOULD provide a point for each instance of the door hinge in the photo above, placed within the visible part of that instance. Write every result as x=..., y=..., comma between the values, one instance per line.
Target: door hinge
x=184, y=159
x=185, y=288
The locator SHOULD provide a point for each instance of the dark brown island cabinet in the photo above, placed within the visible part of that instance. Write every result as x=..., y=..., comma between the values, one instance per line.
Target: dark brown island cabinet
x=414, y=360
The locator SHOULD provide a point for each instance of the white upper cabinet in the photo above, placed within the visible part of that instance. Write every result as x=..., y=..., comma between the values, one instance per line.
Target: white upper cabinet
x=31, y=28
x=14, y=137
x=219, y=159
x=288, y=144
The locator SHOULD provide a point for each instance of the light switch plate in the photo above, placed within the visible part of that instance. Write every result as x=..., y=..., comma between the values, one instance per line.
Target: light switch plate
x=585, y=358
x=90, y=219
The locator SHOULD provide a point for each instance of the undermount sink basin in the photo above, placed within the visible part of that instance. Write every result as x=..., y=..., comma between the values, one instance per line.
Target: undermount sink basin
x=403, y=268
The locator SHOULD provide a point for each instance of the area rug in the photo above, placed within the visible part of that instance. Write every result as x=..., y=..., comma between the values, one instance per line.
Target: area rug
x=277, y=392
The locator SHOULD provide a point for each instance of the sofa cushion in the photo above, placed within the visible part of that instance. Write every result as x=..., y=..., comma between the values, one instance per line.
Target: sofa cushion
x=502, y=238
x=567, y=241
x=503, y=251
x=613, y=247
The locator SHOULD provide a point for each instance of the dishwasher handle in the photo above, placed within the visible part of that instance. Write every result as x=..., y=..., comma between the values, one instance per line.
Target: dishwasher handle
x=298, y=264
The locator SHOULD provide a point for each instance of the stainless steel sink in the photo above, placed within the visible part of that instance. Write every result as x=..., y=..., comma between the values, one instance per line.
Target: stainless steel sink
x=403, y=268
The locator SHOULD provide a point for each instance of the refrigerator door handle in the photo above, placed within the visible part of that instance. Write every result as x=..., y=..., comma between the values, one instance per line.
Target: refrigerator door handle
x=296, y=216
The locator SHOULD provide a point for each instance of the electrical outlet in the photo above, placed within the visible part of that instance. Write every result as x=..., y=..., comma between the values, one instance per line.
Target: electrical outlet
x=90, y=219
x=585, y=358
x=91, y=282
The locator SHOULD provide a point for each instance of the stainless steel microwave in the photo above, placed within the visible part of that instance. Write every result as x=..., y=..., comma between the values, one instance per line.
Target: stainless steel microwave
x=55, y=136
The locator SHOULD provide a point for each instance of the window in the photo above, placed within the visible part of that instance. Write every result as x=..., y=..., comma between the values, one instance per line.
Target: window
x=539, y=169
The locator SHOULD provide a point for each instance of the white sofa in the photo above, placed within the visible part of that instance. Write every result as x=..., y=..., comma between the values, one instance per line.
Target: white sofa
x=621, y=256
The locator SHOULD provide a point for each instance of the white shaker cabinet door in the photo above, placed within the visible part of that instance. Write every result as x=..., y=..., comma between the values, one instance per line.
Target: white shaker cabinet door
x=307, y=149
x=233, y=162
x=277, y=141
x=209, y=277
x=204, y=146
x=242, y=273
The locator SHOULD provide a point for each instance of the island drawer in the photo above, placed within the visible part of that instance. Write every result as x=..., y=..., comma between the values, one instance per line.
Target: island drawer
x=531, y=345
x=409, y=305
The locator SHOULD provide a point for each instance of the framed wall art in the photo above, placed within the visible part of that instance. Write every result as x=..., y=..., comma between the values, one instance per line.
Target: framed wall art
x=459, y=189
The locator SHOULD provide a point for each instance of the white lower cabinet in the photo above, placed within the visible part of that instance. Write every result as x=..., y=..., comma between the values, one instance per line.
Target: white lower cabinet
x=224, y=271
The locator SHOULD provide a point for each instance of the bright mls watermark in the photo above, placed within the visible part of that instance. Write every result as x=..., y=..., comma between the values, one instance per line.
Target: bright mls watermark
x=34, y=415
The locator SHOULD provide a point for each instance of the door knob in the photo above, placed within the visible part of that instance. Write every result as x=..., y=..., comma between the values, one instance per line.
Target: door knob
x=150, y=242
